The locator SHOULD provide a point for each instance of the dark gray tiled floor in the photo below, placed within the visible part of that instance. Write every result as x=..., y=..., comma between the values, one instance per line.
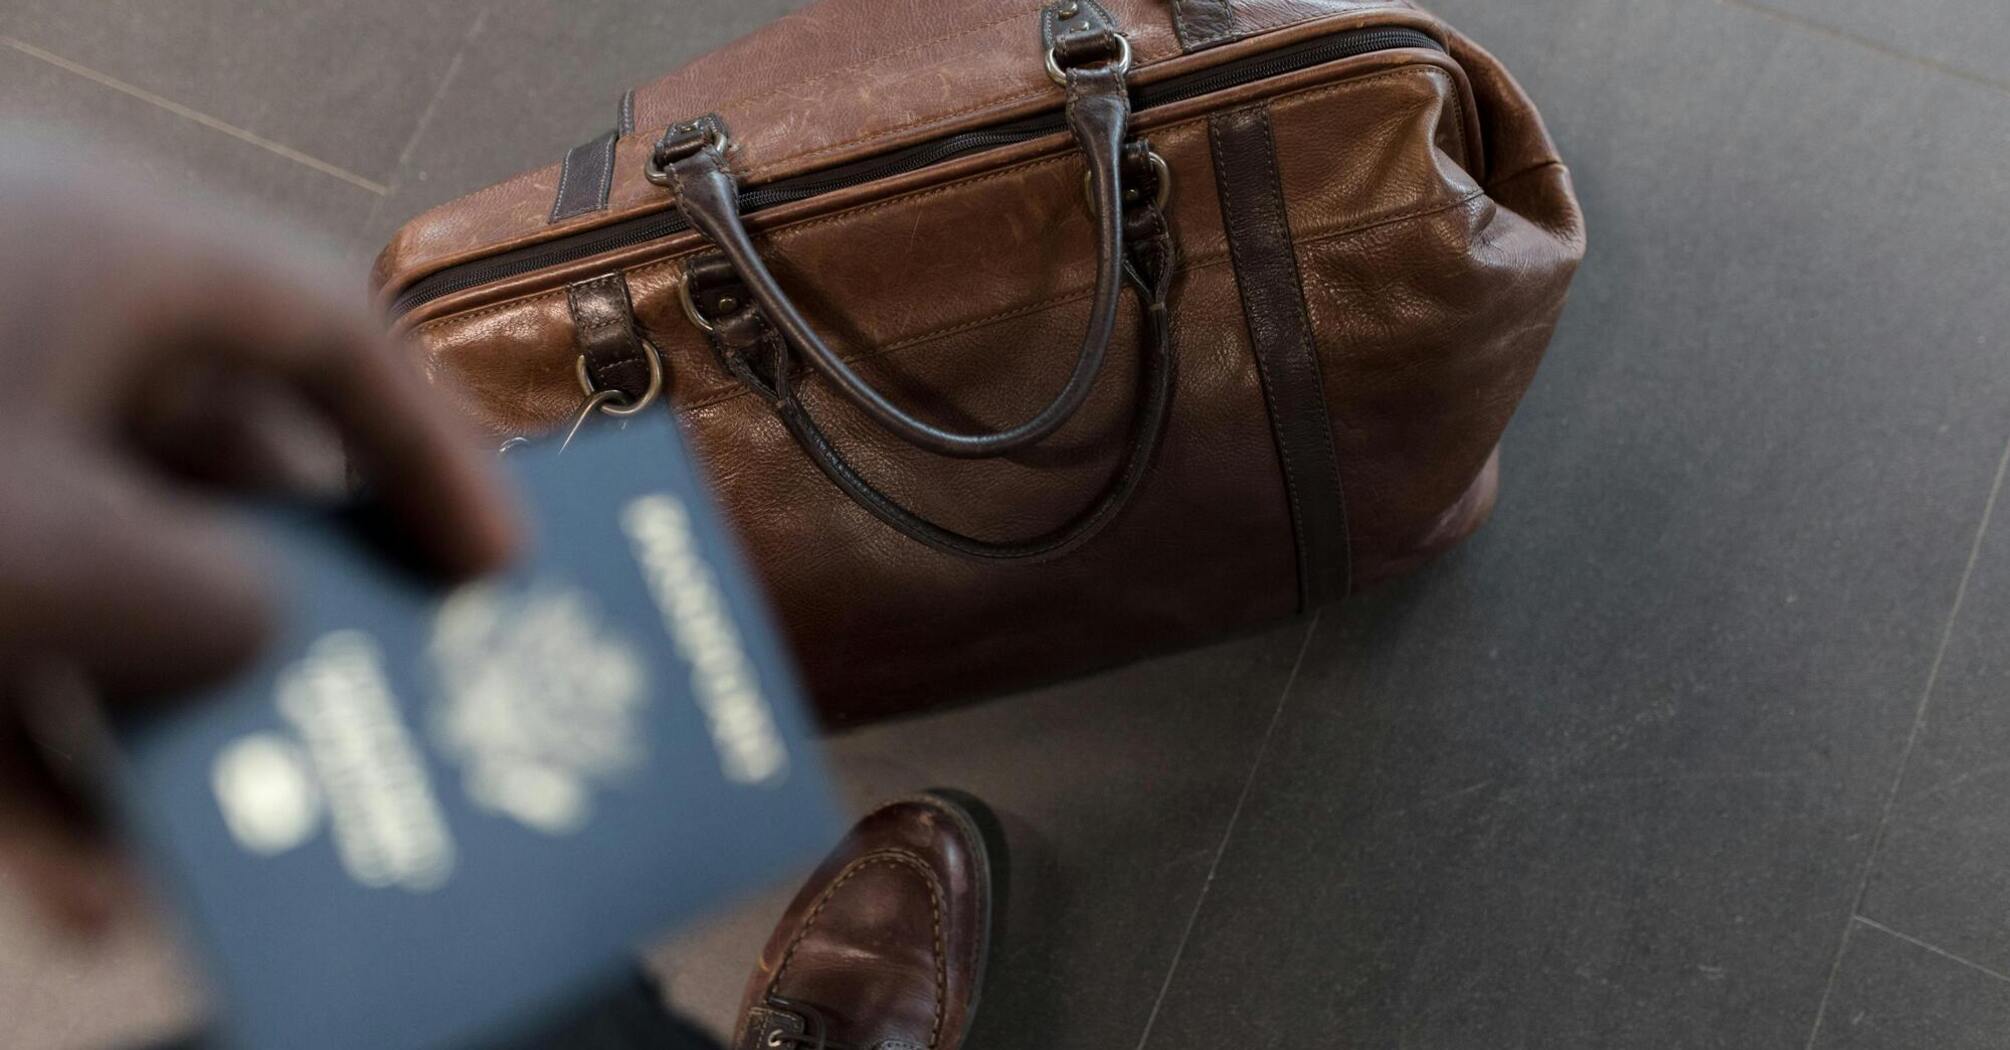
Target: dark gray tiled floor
x=1897, y=993
x=1943, y=869
x=1962, y=37
x=1116, y=791
x=1612, y=780
x=1620, y=774
x=535, y=78
x=169, y=152
x=342, y=80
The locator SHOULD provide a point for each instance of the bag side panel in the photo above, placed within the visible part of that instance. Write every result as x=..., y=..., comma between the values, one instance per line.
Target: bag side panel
x=1431, y=329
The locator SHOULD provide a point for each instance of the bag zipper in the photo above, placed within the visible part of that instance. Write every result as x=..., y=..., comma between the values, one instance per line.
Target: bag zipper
x=656, y=226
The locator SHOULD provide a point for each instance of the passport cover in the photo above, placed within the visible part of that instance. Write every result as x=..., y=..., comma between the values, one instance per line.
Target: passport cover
x=429, y=817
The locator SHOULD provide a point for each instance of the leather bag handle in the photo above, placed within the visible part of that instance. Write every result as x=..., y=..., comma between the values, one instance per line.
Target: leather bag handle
x=750, y=346
x=691, y=160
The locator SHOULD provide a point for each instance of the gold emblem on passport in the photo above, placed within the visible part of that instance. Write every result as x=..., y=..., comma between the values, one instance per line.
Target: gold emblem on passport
x=540, y=700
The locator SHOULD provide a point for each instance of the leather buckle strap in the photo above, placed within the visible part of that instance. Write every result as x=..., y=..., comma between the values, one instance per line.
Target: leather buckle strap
x=1079, y=33
x=680, y=141
x=613, y=355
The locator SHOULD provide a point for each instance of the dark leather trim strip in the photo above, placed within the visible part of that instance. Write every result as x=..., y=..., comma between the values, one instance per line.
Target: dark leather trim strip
x=603, y=325
x=1202, y=24
x=626, y=123
x=585, y=179
x=1280, y=334
x=1082, y=16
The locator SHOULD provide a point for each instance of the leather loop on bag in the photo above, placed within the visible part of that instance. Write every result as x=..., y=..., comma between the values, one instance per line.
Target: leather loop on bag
x=613, y=354
x=1098, y=114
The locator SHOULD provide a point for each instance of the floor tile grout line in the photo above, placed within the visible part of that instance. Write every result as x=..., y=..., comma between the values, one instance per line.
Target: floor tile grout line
x=1911, y=739
x=1812, y=26
x=199, y=117
x=1228, y=832
x=425, y=121
x=1935, y=949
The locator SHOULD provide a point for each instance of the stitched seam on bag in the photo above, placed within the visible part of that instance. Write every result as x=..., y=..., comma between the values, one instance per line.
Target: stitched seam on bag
x=564, y=178
x=1321, y=241
x=1312, y=92
x=1194, y=263
x=873, y=61
x=1306, y=343
x=1326, y=285
x=1179, y=24
x=1182, y=29
x=1277, y=439
x=903, y=858
x=1310, y=348
x=911, y=125
x=1050, y=20
x=1541, y=165
x=606, y=186
x=788, y=231
x=1143, y=60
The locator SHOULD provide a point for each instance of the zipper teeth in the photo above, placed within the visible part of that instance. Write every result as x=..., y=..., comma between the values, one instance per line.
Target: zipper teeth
x=643, y=229
x=936, y=153
x=655, y=227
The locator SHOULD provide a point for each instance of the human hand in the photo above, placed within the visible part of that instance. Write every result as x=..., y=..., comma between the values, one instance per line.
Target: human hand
x=156, y=357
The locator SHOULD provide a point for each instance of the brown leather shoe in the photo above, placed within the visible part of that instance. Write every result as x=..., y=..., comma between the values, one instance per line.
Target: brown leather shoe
x=884, y=948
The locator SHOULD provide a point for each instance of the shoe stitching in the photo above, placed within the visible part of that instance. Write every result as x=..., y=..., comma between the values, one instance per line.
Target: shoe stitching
x=902, y=858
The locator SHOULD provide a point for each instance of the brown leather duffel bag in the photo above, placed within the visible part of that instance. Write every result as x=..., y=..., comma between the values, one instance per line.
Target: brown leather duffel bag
x=1317, y=248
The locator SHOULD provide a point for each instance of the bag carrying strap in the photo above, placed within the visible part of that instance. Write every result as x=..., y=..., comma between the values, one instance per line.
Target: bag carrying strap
x=759, y=332
x=757, y=354
x=1092, y=62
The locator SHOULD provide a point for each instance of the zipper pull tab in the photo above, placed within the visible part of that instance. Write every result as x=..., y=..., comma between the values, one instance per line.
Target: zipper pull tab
x=682, y=140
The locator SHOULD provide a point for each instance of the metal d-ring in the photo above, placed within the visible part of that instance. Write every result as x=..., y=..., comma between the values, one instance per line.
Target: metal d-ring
x=715, y=137
x=691, y=311
x=599, y=401
x=1159, y=168
x=605, y=404
x=1120, y=66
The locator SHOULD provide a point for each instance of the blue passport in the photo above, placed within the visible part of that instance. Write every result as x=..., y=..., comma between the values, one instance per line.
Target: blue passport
x=430, y=816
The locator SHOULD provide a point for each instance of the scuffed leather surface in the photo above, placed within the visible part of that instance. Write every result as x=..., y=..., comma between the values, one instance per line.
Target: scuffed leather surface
x=887, y=940
x=836, y=81
x=1432, y=295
